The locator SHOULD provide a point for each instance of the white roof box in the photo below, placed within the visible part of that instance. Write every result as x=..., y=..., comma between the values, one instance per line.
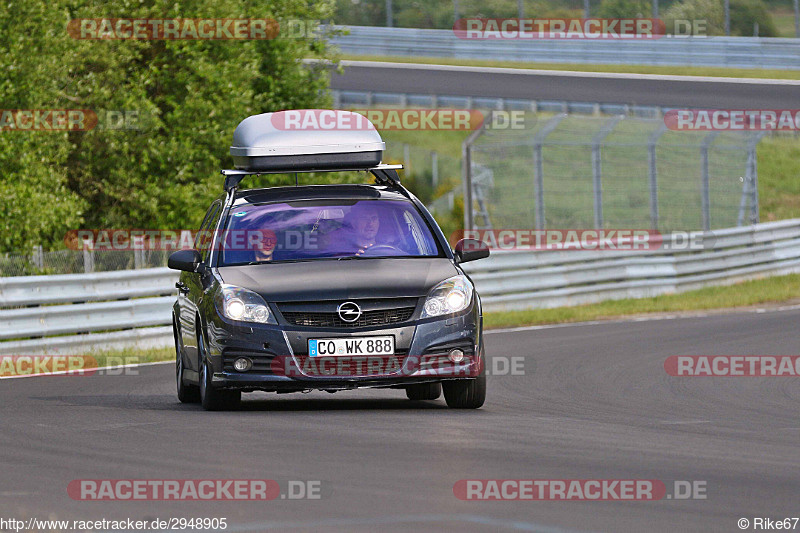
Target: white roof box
x=306, y=139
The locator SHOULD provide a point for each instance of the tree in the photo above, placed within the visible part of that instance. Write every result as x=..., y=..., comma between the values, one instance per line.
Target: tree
x=188, y=96
x=623, y=9
x=745, y=13
x=709, y=11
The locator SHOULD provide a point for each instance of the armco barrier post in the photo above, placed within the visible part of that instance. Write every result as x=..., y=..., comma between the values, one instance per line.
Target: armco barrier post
x=88, y=259
x=466, y=172
x=538, y=178
x=434, y=170
x=704, y=185
x=597, y=168
x=653, y=173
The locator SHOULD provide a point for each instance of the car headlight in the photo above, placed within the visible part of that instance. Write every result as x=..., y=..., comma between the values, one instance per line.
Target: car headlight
x=450, y=296
x=243, y=305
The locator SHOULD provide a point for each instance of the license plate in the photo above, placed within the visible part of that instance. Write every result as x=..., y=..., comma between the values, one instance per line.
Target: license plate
x=351, y=346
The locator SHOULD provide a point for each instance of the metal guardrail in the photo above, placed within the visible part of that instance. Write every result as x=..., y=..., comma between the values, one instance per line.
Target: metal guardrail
x=63, y=319
x=106, y=310
x=738, y=52
x=65, y=288
x=117, y=309
x=354, y=99
x=544, y=279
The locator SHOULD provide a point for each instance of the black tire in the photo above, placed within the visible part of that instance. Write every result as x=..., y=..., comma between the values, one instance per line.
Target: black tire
x=210, y=398
x=466, y=393
x=186, y=393
x=424, y=391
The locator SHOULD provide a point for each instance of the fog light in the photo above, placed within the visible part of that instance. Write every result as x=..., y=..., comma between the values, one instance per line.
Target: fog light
x=243, y=364
x=456, y=355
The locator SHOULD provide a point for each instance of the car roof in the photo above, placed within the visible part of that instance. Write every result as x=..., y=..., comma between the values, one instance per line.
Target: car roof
x=317, y=192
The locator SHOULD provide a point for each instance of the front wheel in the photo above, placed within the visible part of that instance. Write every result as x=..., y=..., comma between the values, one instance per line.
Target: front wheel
x=210, y=398
x=186, y=393
x=466, y=393
x=213, y=399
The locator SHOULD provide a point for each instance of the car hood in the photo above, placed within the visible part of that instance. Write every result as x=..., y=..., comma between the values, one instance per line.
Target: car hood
x=337, y=280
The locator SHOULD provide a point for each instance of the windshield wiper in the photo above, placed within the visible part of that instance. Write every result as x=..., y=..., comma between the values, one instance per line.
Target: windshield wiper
x=275, y=262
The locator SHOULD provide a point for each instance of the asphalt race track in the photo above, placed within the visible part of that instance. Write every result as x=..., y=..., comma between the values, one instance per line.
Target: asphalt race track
x=633, y=89
x=594, y=403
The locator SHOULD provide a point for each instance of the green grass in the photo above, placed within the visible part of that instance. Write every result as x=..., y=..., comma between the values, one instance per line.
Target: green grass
x=778, y=174
x=567, y=169
x=779, y=193
x=761, y=291
x=627, y=69
x=90, y=360
x=447, y=143
x=779, y=177
x=769, y=290
x=748, y=293
x=784, y=21
x=133, y=356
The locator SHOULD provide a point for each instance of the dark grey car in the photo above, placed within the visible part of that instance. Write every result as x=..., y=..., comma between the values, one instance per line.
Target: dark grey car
x=327, y=287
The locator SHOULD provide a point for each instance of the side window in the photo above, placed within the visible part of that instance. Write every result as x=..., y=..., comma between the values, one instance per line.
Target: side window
x=423, y=247
x=206, y=234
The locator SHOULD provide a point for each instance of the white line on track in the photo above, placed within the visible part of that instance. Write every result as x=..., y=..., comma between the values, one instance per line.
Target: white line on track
x=486, y=332
x=567, y=73
x=81, y=372
x=496, y=523
x=733, y=311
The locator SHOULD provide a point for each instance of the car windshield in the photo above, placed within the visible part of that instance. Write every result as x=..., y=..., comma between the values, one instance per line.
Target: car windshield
x=329, y=229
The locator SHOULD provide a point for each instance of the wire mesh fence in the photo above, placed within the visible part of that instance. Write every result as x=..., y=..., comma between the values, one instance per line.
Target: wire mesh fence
x=577, y=171
x=79, y=261
x=561, y=171
x=435, y=178
x=428, y=173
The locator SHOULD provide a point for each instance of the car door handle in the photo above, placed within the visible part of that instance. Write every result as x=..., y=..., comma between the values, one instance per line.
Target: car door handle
x=182, y=288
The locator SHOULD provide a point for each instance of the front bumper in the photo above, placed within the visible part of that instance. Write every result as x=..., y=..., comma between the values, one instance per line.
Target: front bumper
x=281, y=364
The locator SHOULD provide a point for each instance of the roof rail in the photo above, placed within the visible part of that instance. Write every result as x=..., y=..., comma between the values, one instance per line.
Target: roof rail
x=384, y=174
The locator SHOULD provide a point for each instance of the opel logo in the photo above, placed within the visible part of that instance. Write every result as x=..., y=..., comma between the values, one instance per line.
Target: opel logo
x=349, y=311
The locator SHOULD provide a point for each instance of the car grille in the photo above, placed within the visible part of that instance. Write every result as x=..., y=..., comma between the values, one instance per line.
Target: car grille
x=331, y=320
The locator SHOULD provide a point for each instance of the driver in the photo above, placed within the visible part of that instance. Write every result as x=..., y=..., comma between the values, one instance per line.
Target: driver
x=365, y=222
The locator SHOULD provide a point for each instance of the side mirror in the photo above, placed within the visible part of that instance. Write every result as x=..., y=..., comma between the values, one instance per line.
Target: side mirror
x=186, y=260
x=470, y=250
